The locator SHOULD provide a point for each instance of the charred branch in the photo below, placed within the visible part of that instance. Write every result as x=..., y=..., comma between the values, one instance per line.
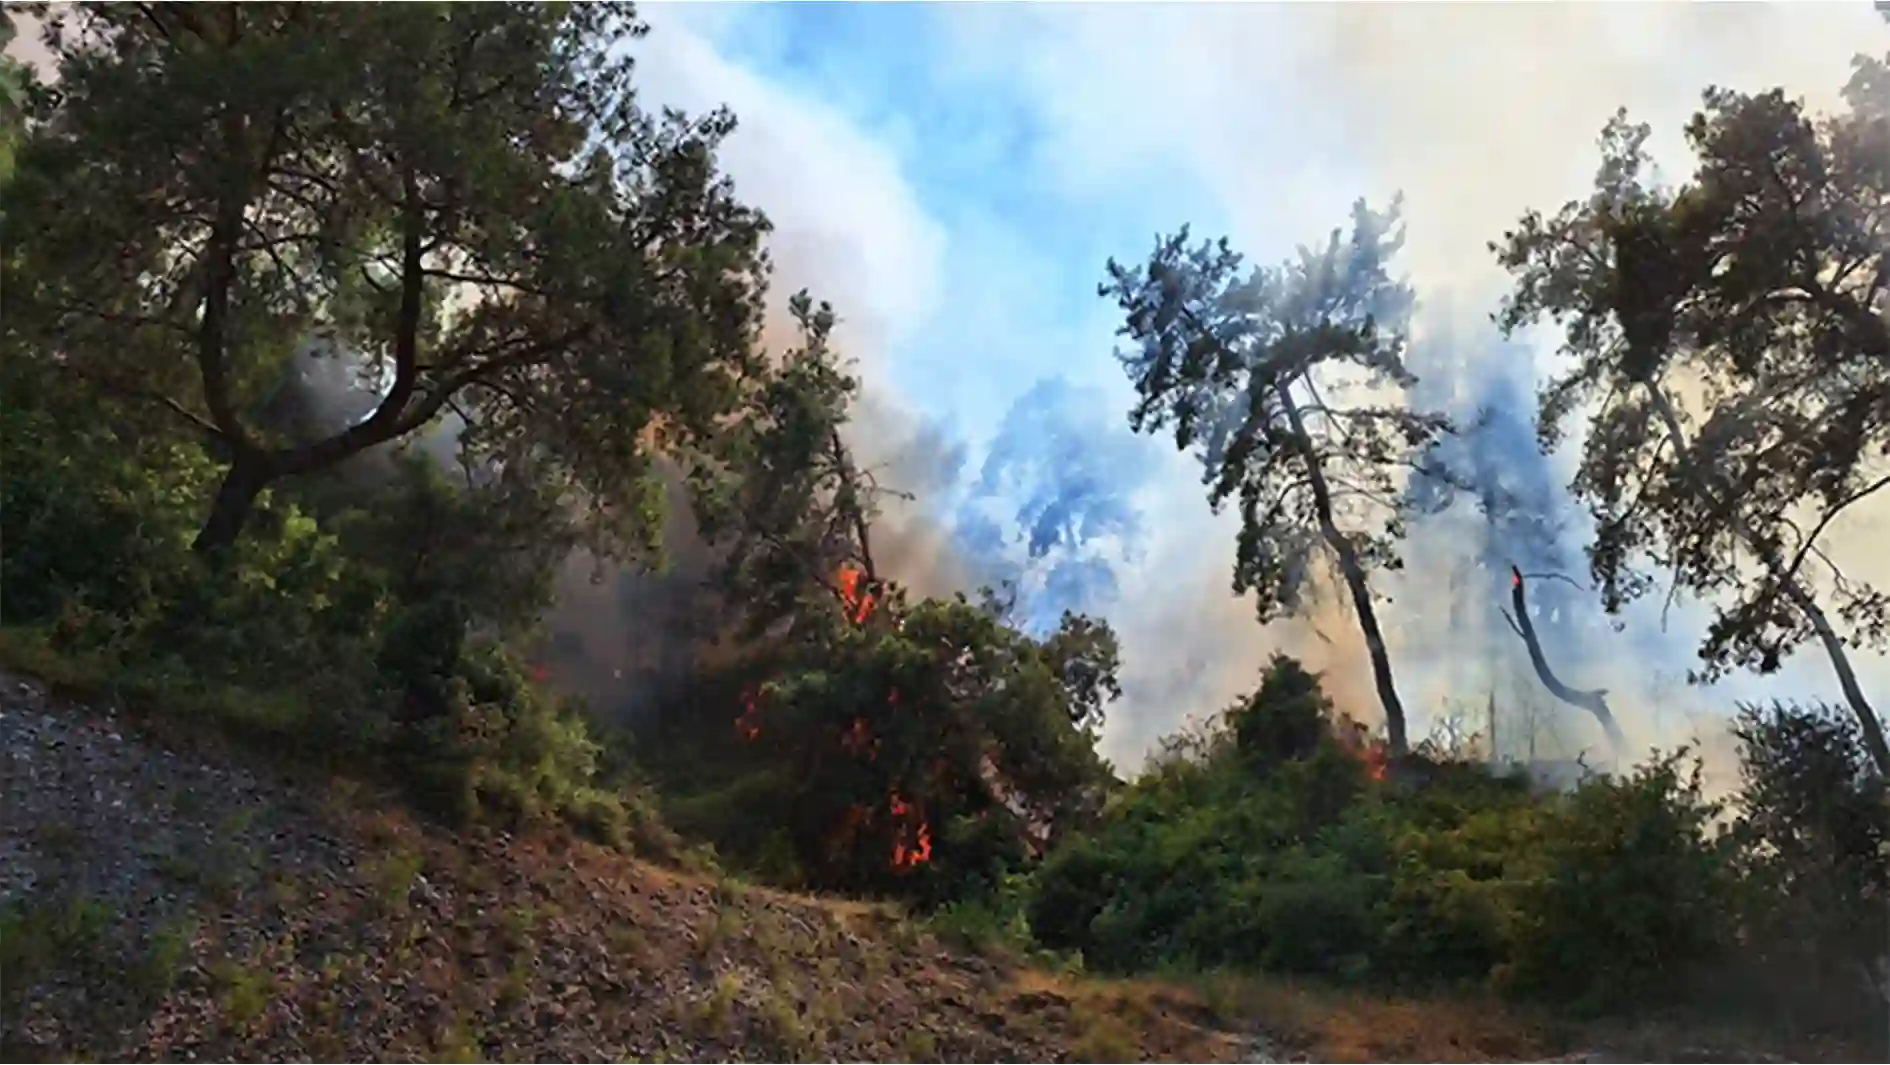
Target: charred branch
x=1595, y=702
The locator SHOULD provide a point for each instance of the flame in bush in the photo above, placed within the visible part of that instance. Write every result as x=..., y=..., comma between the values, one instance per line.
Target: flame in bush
x=912, y=834
x=1376, y=757
x=1373, y=754
x=749, y=724
x=912, y=837
x=857, y=600
x=858, y=739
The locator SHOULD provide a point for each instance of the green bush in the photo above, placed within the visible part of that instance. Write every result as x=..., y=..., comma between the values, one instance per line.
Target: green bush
x=1635, y=890
x=1265, y=845
x=363, y=621
x=1813, y=828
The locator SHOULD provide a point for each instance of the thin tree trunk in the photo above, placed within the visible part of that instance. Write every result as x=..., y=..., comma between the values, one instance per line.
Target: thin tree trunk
x=235, y=498
x=1800, y=598
x=1355, y=582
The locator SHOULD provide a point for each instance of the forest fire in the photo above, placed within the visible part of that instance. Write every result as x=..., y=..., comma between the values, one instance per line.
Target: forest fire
x=911, y=833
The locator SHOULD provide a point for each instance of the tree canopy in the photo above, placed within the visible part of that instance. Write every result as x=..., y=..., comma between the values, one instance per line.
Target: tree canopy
x=466, y=199
x=1240, y=366
x=1757, y=284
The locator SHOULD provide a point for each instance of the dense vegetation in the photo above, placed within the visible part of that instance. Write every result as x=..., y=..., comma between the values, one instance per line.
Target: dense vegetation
x=558, y=298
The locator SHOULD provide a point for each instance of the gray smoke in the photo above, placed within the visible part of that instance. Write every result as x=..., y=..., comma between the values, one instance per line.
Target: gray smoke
x=1053, y=511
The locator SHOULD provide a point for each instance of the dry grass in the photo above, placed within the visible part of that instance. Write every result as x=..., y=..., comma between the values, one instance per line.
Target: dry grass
x=1339, y=1025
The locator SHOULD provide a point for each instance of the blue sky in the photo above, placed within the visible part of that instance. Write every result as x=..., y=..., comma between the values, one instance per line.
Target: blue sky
x=1023, y=257
x=955, y=176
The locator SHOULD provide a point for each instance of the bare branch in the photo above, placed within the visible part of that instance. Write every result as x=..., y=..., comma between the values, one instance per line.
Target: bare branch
x=1595, y=702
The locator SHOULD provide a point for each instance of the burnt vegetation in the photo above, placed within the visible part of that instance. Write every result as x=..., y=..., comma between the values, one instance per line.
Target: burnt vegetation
x=545, y=305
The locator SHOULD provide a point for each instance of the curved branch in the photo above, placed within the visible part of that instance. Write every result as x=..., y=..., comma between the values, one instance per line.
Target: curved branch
x=1595, y=702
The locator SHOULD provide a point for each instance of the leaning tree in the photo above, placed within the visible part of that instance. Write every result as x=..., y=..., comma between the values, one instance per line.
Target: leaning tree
x=1729, y=337
x=1241, y=365
x=464, y=199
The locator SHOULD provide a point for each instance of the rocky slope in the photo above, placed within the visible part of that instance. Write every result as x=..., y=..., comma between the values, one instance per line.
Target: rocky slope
x=165, y=897
x=164, y=901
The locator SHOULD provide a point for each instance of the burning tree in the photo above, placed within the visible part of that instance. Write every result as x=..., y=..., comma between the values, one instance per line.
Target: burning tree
x=1495, y=463
x=1762, y=282
x=778, y=491
x=917, y=729
x=1241, y=367
x=908, y=736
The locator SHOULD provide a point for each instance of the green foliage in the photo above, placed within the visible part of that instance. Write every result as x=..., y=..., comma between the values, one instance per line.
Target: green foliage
x=1268, y=846
x=1285, y=720
x=14, y=79
x=1814, y=828
x=779, y=492
x=358, y=624
x=1634, y=891
x=465, y=198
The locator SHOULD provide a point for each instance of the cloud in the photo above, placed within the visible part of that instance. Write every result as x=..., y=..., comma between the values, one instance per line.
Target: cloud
x=1264, y=121
x=847, y=222
x=1477, y=112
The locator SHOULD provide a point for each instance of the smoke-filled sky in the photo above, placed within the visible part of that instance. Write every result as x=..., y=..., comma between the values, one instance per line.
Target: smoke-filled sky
x=955, y=176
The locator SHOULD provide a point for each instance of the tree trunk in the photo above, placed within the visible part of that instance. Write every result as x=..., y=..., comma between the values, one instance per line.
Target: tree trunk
x=1867, y=721
x=1355, y=583
x=235, y=498
x=1801, y=598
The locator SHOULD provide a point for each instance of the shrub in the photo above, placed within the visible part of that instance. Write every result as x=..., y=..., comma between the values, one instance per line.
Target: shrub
x=1634, y=891
x=1259, y=844
x=1813, y=828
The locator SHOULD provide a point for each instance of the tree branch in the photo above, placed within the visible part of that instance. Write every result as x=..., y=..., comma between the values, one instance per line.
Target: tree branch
x=1595, y=702
x=189, y=417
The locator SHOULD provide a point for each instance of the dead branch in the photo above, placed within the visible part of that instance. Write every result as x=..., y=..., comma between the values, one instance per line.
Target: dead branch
x=1595, y=702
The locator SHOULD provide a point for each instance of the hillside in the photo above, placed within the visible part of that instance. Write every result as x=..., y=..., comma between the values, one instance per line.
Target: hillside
x=170, y=898
x=217, y=911
x=263, y=918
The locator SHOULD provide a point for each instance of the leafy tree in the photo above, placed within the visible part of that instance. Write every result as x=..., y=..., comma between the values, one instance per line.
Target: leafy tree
x=1240, y=367
x=1085, y=656
x=924, y=724
x=781, y=494
x=1760, y=279
x=466, y=198
x=1286, y=717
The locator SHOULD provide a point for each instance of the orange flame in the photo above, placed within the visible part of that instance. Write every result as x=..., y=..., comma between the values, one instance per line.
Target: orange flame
x=912, y=837
x=1372, y=754
x=857, y=600
x=1376, y=760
